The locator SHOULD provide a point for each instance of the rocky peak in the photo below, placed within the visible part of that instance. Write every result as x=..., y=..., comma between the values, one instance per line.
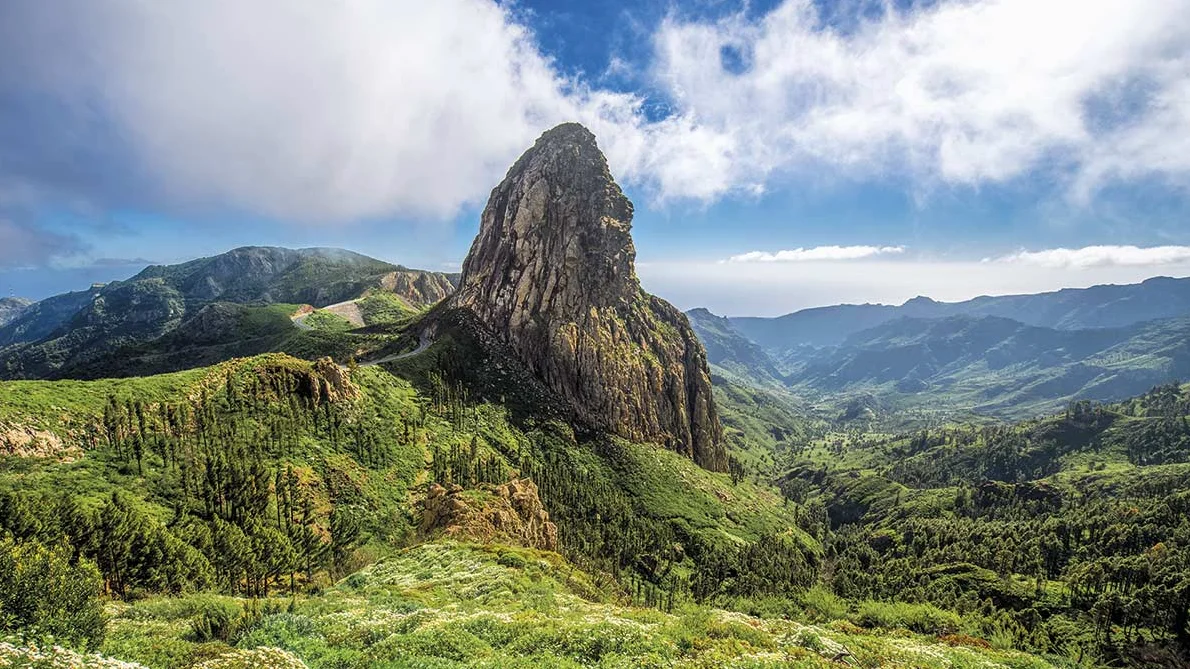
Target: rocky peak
x=554, y=237
x=552, y=274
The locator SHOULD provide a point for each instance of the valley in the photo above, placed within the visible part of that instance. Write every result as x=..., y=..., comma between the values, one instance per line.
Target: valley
x=312, y=458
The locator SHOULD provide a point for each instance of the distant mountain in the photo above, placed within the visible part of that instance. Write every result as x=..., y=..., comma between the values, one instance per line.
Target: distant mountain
x=1106, y=306
x=77, y=330
x=997, y=365
x=11, y=307
x=315, y=276
x=732, y=352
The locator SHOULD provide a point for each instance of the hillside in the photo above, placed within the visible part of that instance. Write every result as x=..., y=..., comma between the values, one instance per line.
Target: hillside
x=731, y=352
x=1108, y=306
x=318, y=445
x=11, y=307
x=152, y=315
x=1072, y=525
x=461, y=605
x=655, y=547
x=994, y=365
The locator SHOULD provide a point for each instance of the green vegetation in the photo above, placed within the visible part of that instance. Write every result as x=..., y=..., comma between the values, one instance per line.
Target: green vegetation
x=383, y=308
x=1064, y=535
x=326, y=321
x=44, y=590
x=459, y=605
x=269, y=510
x=274, y=475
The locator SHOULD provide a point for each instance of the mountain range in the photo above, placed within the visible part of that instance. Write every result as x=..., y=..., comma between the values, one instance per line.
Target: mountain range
x=196, y=303
x=1067, y=309
x=1009, y=356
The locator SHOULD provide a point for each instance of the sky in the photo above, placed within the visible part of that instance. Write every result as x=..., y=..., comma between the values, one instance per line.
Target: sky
x=781, y=154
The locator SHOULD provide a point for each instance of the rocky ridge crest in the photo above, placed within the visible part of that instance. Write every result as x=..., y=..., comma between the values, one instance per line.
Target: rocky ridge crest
x=552, y=274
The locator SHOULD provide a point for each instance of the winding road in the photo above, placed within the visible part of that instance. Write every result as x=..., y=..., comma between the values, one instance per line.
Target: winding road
x=423, y=343
x=350, y=311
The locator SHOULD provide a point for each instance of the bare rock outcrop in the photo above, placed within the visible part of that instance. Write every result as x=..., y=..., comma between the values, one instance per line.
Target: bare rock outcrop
x=419, y=289
x=509, y=513
x=30, y=442
x=552, y=274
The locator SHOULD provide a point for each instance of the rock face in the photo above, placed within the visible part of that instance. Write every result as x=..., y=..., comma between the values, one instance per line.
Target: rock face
x=552, y=274
x=11, y=307
x=29, y=442
x=508, y=513
x=418, y=288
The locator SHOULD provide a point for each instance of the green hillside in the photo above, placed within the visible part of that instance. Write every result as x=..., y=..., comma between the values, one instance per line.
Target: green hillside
x=268, y=482
x=272, y=475
x=204, y=311
x=1063, y=532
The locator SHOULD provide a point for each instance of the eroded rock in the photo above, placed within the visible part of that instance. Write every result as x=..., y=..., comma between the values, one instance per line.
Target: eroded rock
x=552, y=274
x=509, y=513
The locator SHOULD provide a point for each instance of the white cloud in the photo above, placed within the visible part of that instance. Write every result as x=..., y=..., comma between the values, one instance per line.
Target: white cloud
x=1101, y=256
x=333, y=111
x=818, y=253
x=961, y=92
x=294, y=108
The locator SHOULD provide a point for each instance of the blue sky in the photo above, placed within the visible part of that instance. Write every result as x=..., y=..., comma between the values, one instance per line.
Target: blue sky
x=781, y=154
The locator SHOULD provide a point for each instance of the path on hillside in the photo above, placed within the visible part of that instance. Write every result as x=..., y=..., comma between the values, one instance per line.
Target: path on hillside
x=348, y=310
x=423, y=343
x=300, y=321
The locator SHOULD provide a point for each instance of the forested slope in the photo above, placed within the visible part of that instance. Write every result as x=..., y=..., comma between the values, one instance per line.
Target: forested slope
x=1067, y=532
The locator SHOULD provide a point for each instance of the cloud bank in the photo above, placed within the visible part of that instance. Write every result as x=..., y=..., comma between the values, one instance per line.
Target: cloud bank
x=1100, y=256
x=960, y=92
x=818, y=253
x=24, y=246
x=331, y=112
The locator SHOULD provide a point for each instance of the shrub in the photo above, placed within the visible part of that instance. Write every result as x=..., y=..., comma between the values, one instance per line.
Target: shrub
x=41, y=591
x=215, y=621
x=922, y=618
x=822, y=605
x=512, y=560
x=810, y=641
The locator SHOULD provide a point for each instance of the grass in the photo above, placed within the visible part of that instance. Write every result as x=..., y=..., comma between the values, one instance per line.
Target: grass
x=384, y=308
x=446, y=604
x=672, y=488
x=460, y=605
x=325, y=321
x=49, y=403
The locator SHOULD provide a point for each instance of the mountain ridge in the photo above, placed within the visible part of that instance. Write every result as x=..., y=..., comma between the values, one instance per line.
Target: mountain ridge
x=968, y=356
x=79, y=329
x=1106, y=305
